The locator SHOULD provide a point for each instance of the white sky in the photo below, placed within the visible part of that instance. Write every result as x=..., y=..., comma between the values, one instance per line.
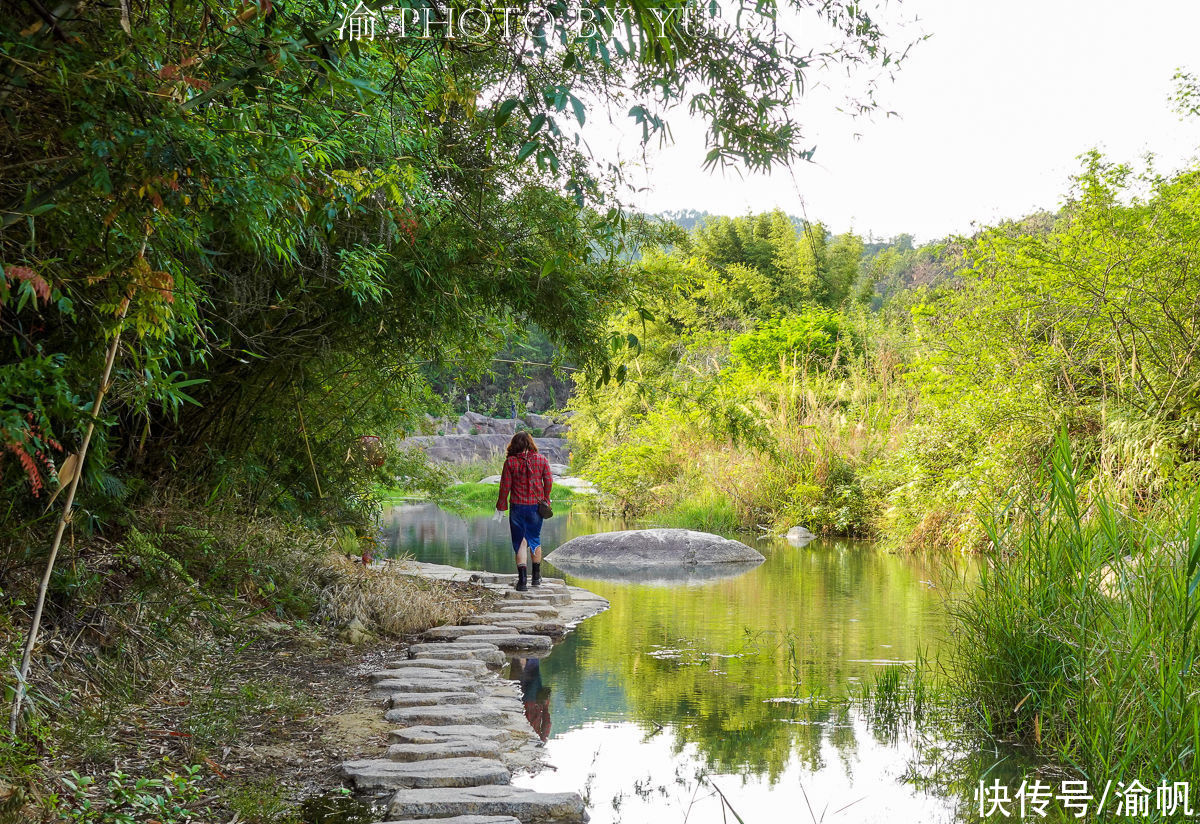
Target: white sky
x=994, y=109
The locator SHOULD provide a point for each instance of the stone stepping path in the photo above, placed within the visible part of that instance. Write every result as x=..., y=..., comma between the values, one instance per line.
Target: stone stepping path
x=474, y=667
x=530, y=608
x=452, y=632
x=547, y=598
x=385, y=774
x=489, y=654
x=523, y=622
x=389, y=686
x=461, y=730
x=504, y=617
x=527, y=806
x=449, y=748
x=433, y=716
x=432, y=699
x=480, y=644
x=448, y=732
x=518, y=643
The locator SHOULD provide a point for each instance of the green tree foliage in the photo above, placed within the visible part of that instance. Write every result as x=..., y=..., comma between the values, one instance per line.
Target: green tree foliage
x=818, y=338
x=1088, y=322
x=744, y=396
x=909, y=421
x=295, y=224
x=892, y=271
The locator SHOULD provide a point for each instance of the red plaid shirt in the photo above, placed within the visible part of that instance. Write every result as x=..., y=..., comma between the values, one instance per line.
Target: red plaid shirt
x=526, y=478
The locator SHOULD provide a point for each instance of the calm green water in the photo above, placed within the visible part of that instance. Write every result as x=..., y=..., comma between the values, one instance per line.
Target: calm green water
x=737, y=683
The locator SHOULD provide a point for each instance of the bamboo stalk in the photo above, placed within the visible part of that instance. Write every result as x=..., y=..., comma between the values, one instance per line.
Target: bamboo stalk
x=312, y=464
x=63, y=519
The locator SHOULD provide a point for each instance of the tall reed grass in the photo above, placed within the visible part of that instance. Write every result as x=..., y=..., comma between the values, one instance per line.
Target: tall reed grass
x=806, y=437
x=1080, y=637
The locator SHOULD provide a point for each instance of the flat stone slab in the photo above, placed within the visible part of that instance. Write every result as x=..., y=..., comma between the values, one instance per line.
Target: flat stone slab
x=544, y=610
x=432, y=699
x=554, y=630
x=388, y=686
x=451, y=631
x=508, y=577
x=456, y=714
x=449, y=748
x=468, y=667
x=485, y=652
x=524, y=622
x=385, y=774
x=494, y=657
x=548, y=598
x=423, y=671
x=428, y=675
x=435, y=646
x=461, y=819
x=424, y=679
x=501, y=618
x=519, y=643
x=524, y=804
x=433, y=734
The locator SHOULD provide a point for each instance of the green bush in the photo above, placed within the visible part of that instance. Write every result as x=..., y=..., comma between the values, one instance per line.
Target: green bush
x=1080, y=636
x=818, y=338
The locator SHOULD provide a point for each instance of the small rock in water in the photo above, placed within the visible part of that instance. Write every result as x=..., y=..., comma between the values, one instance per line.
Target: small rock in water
x=799, y=536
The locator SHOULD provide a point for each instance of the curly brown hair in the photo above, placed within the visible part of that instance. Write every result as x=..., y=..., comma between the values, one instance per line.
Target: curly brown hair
x=521, y=442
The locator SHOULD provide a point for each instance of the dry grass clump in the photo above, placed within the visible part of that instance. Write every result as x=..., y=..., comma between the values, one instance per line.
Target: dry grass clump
x=385, y=601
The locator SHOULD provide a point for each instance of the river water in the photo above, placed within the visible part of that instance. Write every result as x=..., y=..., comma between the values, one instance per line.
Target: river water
x=686, y=702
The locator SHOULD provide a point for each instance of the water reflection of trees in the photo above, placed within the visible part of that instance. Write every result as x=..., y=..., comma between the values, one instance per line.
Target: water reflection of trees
x=754, y=671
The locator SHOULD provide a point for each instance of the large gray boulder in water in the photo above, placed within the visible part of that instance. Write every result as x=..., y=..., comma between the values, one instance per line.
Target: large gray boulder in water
x=651, y=550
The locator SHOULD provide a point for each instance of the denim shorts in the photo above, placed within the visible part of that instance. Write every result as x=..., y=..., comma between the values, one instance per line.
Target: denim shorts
x=525, y=522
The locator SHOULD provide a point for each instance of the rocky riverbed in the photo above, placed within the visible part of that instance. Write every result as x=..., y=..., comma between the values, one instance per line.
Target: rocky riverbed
x=473, y=437
x=461, y=730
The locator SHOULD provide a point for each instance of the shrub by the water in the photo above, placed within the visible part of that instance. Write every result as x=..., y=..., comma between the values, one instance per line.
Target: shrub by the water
x=1080, y=637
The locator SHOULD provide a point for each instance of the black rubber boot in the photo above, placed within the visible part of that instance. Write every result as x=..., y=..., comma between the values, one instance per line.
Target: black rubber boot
x=537, y=576
x=521, y=586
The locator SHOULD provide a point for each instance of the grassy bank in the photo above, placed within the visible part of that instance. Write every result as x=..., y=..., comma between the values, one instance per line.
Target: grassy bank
x=191, y=638
x=461, y=490
x=1082, y=635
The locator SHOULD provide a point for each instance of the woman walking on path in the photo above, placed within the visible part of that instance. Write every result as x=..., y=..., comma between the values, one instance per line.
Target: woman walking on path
x=525, y=482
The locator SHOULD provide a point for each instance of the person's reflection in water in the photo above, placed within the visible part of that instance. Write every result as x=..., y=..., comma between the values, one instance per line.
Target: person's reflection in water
x=535, y=696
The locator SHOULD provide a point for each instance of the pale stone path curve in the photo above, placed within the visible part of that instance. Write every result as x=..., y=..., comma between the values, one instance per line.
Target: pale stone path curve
x=461, y=729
